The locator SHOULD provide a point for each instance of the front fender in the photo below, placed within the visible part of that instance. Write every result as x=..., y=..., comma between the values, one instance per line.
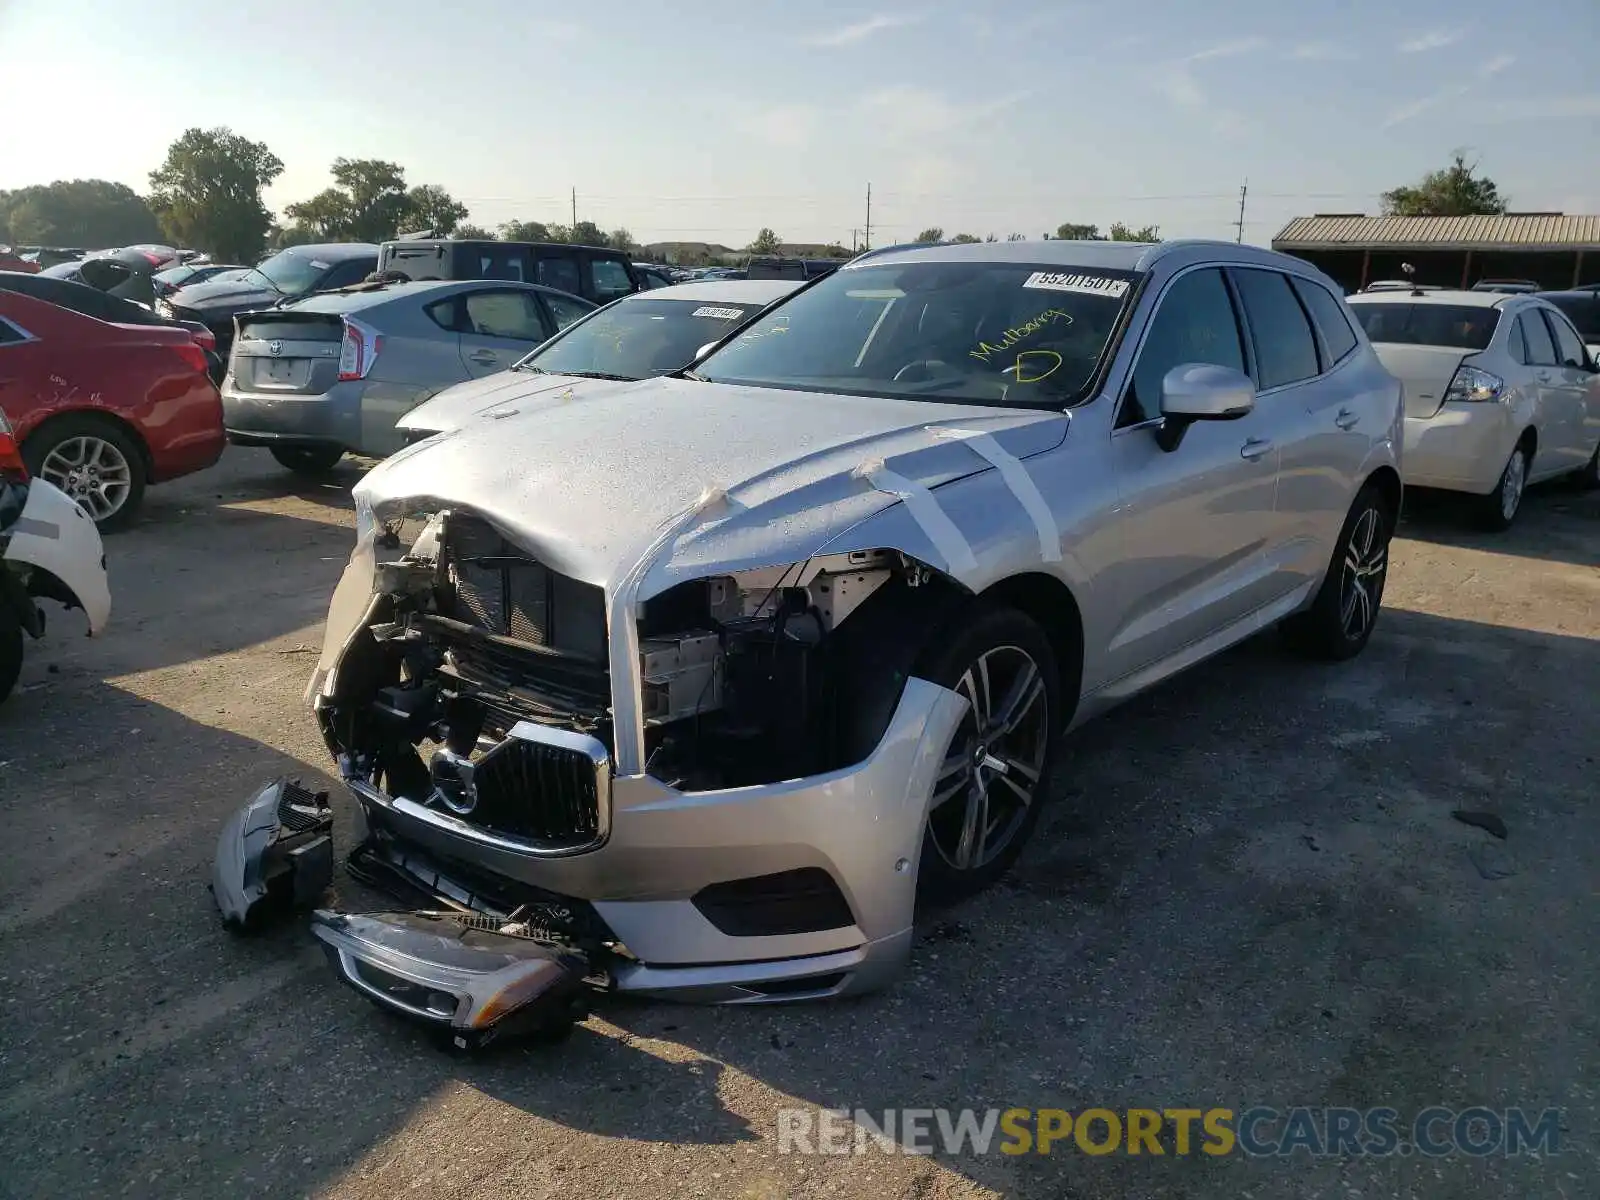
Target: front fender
x=55, y=535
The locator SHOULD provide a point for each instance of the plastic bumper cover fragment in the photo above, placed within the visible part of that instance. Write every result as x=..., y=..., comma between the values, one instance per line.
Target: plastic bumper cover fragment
x=457, y=973
x=275, y=854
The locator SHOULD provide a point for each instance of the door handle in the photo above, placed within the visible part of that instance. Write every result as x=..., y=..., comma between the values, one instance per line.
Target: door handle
x=1346, y=419
x=484, y=356
x=1255, y=448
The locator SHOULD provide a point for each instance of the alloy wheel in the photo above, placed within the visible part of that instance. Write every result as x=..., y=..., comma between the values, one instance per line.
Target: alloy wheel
x=1512, y=483
x=91, y=470
x=1366, y=561
x=987, y=783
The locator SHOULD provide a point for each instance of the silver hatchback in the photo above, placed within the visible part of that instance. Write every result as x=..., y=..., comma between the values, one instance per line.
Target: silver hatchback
x=332, y=373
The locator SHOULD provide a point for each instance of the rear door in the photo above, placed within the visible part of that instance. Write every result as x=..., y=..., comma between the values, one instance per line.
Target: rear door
x=1543, y=362
x=498, y=327
x=291, y=353
x=1571, y=395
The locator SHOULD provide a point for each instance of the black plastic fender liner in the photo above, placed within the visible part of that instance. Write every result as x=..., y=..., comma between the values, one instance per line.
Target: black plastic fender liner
x=274, y=855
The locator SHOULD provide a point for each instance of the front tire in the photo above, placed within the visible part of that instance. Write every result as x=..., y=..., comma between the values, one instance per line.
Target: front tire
x=308, y=460
x=1499, y=508
x=1340, y=621
x=996, y=773
x=10, y=650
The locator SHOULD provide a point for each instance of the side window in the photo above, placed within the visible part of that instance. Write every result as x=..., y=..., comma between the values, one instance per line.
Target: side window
x=1569, y=347
x=559, y=271
x=1328, y=313
x=610, y=279
x=10, y=334
x=1541, y=347
x=1194, y=323
x=504, y=315
x=1286, y=351
x=501, y=262
x=446, y=314
x=565, y=309
x=346, y=273
x=1517, y=342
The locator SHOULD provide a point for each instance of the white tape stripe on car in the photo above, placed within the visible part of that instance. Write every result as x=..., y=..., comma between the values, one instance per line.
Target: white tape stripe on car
x=925, y=510
x=1019, y=481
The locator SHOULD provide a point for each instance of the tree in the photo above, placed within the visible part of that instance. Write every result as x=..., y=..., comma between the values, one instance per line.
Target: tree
x=91, y=213
x=835, y=250
x=1121, y=233
x=525, y=231
x=931, y=234
x=431, y=207
x=991, y=238
x=587, y=233
x=281, y=237
x=1015, y=237
x=472, y=233
x=964, y=239
x=1453, y=192
x=207, y=192
x=1078, y=233
x=620, y=239
x=766, y=242
x=367, y=203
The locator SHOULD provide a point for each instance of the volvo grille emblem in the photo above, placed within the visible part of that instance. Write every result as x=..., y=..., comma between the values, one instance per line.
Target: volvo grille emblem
x=274, y=348
x=452, y=782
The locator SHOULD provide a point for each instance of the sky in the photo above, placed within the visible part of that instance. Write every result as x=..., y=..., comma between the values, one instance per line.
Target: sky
x=706, y=120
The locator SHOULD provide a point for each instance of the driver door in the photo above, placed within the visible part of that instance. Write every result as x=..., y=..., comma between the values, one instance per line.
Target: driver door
x=498, y=328
x=1197, y=525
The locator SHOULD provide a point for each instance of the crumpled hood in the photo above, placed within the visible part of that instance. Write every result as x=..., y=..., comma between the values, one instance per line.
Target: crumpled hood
x=457, y=405
x=587, y=485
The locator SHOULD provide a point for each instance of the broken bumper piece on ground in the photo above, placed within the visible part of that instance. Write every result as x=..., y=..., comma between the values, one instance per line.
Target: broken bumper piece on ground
x=275, y=855
x=471, y=978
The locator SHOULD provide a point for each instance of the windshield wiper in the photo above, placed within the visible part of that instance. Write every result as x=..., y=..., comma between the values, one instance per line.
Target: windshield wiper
x=268, y=278
x=694, y=375
x=529, y=368
x=600, y=375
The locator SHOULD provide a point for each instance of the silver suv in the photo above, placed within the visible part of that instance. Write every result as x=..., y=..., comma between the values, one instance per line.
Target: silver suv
x=724, y=673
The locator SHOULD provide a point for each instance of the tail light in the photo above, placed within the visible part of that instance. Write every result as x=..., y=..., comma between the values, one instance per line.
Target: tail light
x=11, y=465
x=358, y=351
x=1475, y=385
x=194, y=355
x=205, y=339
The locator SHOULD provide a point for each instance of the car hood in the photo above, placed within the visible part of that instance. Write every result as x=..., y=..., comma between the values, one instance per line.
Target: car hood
x=591, y=483
x=456, y=405
x=232, y=296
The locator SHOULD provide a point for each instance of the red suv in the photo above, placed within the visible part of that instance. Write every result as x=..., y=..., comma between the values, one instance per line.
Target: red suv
x=100, y=408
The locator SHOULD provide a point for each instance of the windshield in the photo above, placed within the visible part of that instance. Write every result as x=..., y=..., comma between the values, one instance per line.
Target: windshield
x=176, y=275
x=1459, y=326
x=292, y=272
x=975, y=332
x=640, y=336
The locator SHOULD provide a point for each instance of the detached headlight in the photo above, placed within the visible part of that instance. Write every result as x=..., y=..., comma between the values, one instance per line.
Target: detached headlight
x=1474, y=385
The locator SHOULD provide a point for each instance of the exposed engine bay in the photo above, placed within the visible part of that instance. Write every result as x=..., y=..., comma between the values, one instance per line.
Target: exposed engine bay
x=744, y=678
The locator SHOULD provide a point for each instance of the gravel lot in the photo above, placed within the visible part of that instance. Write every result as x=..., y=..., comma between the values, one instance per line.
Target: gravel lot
x=1249, y=890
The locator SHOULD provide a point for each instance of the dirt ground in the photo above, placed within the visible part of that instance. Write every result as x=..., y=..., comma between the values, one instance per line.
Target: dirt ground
x=1249, y=891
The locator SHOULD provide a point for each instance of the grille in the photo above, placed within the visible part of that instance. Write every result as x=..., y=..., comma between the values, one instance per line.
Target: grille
x=502, y=590
x=538, y=792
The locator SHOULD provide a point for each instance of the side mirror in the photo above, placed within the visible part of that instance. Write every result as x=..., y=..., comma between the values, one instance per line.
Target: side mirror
x=1193, y=392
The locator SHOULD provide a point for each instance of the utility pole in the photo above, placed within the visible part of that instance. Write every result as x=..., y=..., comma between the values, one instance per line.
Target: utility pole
x=1239, y=224
x=866, y=241
x=574, y=208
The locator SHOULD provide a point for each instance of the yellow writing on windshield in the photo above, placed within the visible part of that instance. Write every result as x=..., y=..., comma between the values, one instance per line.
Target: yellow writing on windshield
x=987, y=350
x=1034, y=365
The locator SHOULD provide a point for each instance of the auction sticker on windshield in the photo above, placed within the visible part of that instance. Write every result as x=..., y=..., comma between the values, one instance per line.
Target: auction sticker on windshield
x=1067, y=281
x=722, y=314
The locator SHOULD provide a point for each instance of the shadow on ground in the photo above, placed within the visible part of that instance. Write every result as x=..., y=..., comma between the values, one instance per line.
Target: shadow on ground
x=1557, y=523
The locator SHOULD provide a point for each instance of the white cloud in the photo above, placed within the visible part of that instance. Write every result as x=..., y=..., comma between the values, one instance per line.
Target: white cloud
x=790, y=126
x=1179, y=86
x=1497, y=64
x=1320, y=52
x=907, y=111
x=1416, y=108
x=1229, y=49
x=1433, y=39
x=847, y=35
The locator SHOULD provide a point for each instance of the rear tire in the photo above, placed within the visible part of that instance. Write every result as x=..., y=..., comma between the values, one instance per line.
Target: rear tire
x=1340, y=621
x=10, y=651
x=94, y=459
x=1497, y=510
x=308, y=460
x=996, y=775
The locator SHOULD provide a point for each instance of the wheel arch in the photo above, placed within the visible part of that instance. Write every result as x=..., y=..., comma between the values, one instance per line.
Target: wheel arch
x=1050, y=604
x=1387, y=480
x=96, y=414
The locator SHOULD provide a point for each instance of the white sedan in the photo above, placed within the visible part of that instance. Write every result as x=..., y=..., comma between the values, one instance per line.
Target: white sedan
x=1500, y=392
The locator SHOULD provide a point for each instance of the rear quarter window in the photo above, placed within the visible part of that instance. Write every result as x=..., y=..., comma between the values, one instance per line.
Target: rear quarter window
x=1328, y=313
x=1458, y=326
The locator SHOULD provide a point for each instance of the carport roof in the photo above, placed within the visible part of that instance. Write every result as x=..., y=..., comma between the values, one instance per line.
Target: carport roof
x=1533, y=231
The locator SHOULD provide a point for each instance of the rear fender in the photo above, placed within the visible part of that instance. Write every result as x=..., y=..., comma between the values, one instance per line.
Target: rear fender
x=58, y=538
